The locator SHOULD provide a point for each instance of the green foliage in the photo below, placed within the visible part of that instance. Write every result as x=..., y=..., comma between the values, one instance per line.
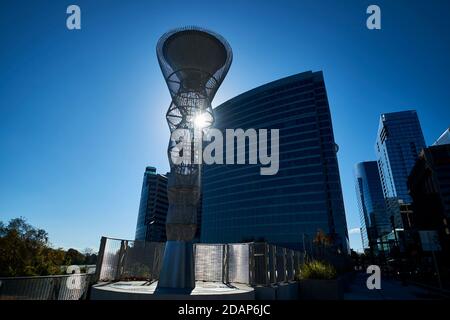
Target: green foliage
x=25, y=251
x=74, y=256
x=316, y=269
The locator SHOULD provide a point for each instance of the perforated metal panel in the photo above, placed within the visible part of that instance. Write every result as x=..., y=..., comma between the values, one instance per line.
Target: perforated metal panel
x=63, y=287
x=239, y=263
x=209, y=262
x=110, y=260
x=249, y=263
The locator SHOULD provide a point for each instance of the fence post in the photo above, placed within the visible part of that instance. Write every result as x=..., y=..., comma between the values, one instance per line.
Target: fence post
x=291, y=265
x=98, y=267
x=87, y=287
x=275, y=263
x=297, y=263
x=123, y=244
x=266, y=263
x=56, y=285
x=251, y=262
x=225, y=264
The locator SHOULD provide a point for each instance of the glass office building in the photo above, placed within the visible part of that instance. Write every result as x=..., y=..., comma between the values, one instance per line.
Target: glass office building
x=372, y=212
x=151, y=222
x=398, y=144
x=304, y=196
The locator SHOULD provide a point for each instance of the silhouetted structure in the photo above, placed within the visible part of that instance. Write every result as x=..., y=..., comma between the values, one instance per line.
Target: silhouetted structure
x=287, y=208
x=429, y=185
x=444, y=138
x=194, y=63
x=399, y=141
x=151, y=222
x=372, y=211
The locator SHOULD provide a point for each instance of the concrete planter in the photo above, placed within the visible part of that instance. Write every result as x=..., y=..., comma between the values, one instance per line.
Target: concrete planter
x=312, y=289
x=280, y=291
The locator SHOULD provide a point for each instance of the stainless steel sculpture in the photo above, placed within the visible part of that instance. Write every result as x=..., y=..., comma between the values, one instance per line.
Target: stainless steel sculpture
x=194, y=62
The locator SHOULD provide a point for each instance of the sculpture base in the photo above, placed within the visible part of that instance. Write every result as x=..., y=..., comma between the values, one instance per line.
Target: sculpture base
x=142, y=290
x=177, y=273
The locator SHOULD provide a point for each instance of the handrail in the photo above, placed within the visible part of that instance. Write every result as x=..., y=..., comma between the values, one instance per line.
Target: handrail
x=44, y=277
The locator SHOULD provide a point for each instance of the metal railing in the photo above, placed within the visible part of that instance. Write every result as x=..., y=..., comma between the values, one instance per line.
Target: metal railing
x=59, y=287
x=128, y=260
x=251, y=263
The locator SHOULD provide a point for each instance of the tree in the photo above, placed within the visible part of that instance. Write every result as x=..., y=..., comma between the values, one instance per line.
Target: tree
x=73, y=256
x=89, y=256
x=88, y=251
x=322, y=242
x=323, y=239
x=25, y=251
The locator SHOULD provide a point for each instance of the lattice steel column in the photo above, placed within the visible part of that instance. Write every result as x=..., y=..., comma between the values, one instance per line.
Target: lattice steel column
x=194, y=62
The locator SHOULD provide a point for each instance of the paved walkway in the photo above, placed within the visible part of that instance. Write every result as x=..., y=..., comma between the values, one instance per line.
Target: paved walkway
x=390, y=290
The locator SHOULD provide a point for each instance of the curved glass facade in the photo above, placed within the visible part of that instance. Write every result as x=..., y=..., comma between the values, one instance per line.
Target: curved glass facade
x=304, y=196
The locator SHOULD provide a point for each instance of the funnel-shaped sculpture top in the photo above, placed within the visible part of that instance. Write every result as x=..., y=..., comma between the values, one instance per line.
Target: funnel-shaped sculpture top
x=194, y=59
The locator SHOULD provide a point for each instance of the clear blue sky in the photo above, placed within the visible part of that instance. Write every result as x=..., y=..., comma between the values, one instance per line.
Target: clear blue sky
x=82, y=112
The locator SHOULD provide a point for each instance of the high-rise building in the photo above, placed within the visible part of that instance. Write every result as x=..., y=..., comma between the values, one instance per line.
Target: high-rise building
x=305, y=196
x=370, y=199
x=443, y=139
x=151, y=222
x=429, y=185
x=398, y=144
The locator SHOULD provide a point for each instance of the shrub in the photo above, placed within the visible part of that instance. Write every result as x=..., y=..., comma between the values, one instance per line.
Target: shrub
x=316, y=269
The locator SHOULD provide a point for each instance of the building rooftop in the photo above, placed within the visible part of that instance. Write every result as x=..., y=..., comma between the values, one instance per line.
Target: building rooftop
x=443, y=139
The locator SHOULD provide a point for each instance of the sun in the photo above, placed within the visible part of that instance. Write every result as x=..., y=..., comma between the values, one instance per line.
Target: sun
x=201, y=121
